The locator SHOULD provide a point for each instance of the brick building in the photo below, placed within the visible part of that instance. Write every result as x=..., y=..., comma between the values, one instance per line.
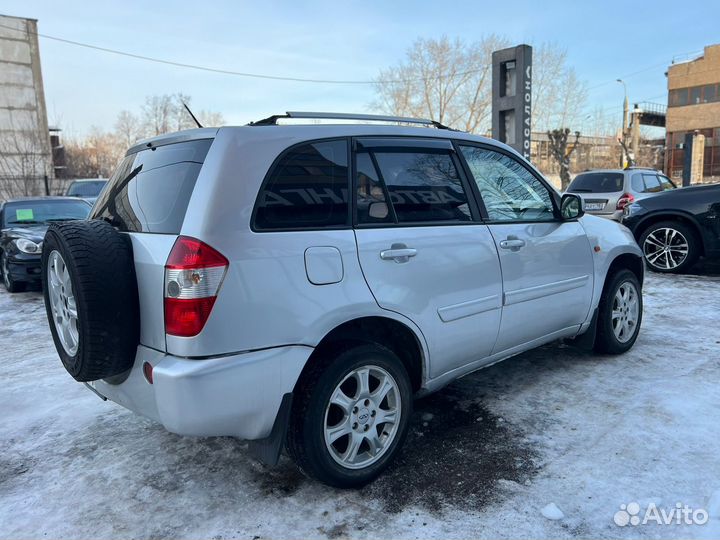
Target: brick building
x=694, y=108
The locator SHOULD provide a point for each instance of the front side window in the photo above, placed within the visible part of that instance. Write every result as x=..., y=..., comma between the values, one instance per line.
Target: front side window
x=666, y=183
x=307, y=189
x=510, y=192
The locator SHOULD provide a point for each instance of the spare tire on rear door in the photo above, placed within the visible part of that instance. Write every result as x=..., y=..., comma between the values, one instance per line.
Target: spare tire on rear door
x=91, y=298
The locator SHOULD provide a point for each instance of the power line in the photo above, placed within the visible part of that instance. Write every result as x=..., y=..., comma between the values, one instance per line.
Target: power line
x=237, y=73
x=279, y=77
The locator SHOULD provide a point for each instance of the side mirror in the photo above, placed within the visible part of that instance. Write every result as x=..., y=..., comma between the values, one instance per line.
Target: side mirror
x=571, y=206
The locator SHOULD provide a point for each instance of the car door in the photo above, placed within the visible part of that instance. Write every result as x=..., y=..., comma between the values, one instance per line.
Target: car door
x=547, y=263
x=422, y=248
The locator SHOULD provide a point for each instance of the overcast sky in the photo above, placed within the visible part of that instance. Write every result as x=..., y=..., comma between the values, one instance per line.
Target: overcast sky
x=333, y=40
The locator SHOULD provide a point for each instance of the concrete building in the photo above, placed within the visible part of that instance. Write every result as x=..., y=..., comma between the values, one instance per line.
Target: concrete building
x=25, y=151
x=693, y=114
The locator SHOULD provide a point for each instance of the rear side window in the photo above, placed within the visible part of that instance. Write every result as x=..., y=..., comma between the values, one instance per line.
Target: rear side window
x=422, y=186
x=150, y=190
x=597, y=183
x=307, y=189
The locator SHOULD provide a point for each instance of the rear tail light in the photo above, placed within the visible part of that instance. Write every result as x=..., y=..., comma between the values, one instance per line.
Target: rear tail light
x=193, y=274
x=624, y=200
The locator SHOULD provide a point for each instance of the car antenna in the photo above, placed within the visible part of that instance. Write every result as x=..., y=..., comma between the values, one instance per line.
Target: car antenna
x=191, y=114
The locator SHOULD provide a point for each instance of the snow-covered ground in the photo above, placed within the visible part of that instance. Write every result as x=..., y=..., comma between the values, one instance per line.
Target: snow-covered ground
x=548, y=444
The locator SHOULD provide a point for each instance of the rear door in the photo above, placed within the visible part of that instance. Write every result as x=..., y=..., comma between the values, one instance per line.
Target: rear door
x=422, y=249
x=546, y=263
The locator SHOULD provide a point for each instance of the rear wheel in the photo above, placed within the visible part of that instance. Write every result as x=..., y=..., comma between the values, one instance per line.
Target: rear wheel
x=10, y=284
x=351, y=415
x=619, y=314
x=670, y=247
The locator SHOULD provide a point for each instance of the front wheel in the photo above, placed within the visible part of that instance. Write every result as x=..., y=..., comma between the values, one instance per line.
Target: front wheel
x=351, y=415
x=619, y=314
x=11, y=285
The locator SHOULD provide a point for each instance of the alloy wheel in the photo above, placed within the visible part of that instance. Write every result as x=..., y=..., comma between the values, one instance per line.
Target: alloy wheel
x=665, y=248
x=625, y=312
x=62, y=303
x=362, y=417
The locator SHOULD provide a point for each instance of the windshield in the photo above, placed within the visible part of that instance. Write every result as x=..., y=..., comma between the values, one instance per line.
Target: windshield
x=32, y=212
x=597, y=182
x=86, y=189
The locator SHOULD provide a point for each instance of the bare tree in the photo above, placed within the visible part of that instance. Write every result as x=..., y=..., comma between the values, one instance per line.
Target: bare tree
x=559, y=149
x=95, y=156
x=128, y=128
x=450, y=81
x=447, y=81
x=25, y=158
x=558, y=95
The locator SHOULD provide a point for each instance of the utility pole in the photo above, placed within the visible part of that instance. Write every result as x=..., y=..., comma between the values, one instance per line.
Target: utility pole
x=635, y=132
x=625, y=159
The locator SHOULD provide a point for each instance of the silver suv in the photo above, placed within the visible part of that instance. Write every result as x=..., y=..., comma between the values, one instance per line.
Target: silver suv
x=607, y=192
x=297, y=285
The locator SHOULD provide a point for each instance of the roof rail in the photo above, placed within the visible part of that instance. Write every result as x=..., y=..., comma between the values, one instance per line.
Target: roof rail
x=272, y=120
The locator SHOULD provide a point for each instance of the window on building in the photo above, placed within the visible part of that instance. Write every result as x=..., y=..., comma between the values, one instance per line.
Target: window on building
x=709, y=93
x=678, y=97
x=695, y=95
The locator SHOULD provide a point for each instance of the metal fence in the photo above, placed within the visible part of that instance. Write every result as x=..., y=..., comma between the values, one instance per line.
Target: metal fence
x=31, y=186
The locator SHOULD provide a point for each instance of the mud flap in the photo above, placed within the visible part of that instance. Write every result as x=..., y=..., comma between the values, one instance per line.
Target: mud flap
x=268, y=450
x=586, y=341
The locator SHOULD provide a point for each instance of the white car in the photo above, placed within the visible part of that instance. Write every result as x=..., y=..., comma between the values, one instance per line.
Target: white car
x=298, y=285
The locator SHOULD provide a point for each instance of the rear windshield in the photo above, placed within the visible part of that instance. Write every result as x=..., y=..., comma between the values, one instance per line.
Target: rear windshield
x=86, y=189
x=597, y=182
x=150, y=190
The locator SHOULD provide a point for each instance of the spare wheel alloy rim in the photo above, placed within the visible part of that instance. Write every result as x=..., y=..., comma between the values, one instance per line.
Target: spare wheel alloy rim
x=62, y=303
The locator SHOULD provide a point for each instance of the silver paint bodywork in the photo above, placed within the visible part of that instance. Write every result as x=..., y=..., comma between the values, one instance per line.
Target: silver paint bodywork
x=468, y=301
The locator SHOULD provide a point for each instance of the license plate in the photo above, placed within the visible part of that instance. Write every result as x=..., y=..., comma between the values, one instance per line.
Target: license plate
x=594, y=206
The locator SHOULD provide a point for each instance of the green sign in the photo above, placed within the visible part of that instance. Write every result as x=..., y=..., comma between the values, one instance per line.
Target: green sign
x=24, y=214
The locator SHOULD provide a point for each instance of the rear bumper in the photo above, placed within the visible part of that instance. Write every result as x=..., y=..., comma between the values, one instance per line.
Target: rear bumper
x=615, y=216
x=237, y=396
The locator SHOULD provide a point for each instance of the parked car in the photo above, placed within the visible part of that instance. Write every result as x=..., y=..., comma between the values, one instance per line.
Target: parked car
x=306, y=281
x=86, y=188
x=607, y=192
x=23, y=223
x=674, y=229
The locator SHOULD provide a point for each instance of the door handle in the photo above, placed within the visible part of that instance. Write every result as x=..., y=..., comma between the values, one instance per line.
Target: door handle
x=400, y=253
x=513, y=243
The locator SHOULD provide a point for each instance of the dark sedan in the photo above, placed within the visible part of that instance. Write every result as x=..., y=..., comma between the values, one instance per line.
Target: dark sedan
x=23, y=223
x=675, y=228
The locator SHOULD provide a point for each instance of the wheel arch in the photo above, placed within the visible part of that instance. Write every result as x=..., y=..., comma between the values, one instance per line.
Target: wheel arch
x=626, y=261
x=389, y=332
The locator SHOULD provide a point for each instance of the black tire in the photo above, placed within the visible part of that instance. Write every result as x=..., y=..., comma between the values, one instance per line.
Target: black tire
x=662, y=263
x=99, y=261
x=306, y=440
x=10, y=284
x=606, y=340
